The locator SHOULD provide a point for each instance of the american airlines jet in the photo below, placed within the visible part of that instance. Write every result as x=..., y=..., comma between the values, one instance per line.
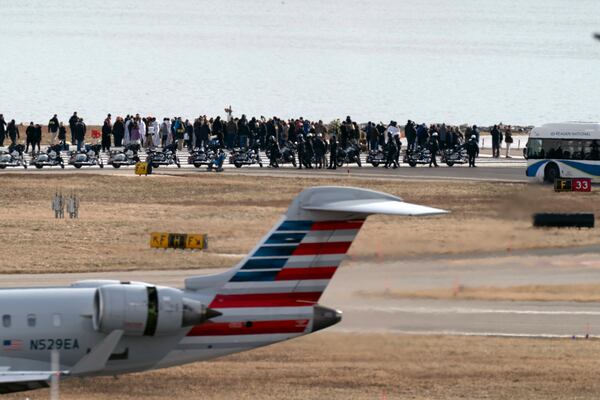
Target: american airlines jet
x=105, y=327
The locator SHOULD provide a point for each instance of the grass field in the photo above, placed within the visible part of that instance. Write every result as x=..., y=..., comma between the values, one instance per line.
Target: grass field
x=369, y=366
x=118, y=213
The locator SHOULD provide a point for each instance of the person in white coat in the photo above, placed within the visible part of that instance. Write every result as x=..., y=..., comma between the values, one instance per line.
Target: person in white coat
x=126, y=137
x=392, y=130
x=142, y=127
x=155, y=133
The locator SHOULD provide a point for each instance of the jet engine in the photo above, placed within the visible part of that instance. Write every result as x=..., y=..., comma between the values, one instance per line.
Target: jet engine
x=143, y=310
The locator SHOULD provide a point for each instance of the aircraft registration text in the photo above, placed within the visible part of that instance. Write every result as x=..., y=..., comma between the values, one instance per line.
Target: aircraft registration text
x=54, y=344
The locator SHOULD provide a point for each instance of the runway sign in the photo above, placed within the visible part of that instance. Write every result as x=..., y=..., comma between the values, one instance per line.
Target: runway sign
x=192, y=241
x=141, y=168
x=573, y=185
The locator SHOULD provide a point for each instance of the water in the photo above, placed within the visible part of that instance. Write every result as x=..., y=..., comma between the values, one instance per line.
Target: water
x=475, y=61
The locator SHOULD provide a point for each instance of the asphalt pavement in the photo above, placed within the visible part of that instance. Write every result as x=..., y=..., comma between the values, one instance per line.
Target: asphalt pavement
x=489, y=169
x=378, y=312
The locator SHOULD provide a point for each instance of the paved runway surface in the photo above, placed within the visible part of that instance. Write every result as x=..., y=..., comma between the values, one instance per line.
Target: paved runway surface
x=380, y=314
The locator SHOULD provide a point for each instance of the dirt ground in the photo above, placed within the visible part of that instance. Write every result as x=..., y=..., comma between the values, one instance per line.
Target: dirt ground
x=119, y=212
x=574, y=292
x=369, y=366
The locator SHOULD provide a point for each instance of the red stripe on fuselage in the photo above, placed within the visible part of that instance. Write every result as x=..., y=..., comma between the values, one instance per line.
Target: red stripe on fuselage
x=336, y=225
x=293, y=274
x=295, y=299
x=310, y=249
x=249, y=327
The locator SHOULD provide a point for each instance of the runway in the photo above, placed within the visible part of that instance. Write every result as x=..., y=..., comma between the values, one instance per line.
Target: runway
x=426, y=316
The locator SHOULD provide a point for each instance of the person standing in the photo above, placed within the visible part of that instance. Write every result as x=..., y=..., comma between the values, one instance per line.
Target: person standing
x=29, y=134
x=106, y=132
x=135, y=135
x=434, y=146
x=410, y=133
x=53, y=129
x=495, y=133
x=320, y=149
x=80, y=130
x=62, y=135
x=301, y=153
x=217, y=130
x=391, y=151
x=204, y=132
x=2, y=130
x=188, y=138
x=118, y=131
x=154, y=133
x=72, y=124
x=165, y=131
x=178, y=129
x=333, y=146
x=472, y=150
x=37, y=138
x=274, y=152
x=508, y=139
x=13, y=132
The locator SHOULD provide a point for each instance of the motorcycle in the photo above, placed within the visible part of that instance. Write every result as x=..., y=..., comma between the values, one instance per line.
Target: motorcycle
x=201, y=156
x=287, y=154
x=416, y=156
x=241, y=157
x=88, y=157
x=167, y=156
x=349, y=155
x=376, y=157
x=13, y=157
x=50, y=158
x=455, y=155
x=127, y=156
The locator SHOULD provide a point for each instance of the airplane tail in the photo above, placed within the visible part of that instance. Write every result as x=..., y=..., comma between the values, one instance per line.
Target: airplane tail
x=293, y=264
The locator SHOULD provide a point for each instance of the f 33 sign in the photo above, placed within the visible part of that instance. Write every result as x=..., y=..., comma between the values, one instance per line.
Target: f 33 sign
x=573, y=185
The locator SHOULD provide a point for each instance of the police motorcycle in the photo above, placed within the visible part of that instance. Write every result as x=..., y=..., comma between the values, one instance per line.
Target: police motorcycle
x=201, y=156
x=287, y=154
x=349, y=155
x=88, y=157
x=245, y=156
x=168, y=156
x=418, y=155
x=376, y=157
x=13, y=157
x=50, y=158
x=455, y=155
x=126, y=156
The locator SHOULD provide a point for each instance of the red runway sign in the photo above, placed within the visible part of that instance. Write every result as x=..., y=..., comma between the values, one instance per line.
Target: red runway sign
x=573, y=185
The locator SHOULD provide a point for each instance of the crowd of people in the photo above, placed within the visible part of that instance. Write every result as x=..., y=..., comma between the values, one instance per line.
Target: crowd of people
x=313, y=139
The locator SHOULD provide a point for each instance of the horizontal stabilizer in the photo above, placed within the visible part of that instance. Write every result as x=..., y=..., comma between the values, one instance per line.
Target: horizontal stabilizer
x=24, y=376
x=371, y=206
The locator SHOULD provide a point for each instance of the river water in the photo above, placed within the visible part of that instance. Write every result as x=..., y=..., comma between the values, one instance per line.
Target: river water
x=457, y=61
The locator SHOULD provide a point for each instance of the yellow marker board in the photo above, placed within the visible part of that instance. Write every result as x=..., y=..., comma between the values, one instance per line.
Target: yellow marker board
x=141, y=168
x=164, y=240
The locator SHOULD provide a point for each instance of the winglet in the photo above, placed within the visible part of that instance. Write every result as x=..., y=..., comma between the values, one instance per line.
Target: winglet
x=96, y=359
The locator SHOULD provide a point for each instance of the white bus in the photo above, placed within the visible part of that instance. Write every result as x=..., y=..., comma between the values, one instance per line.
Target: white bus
x=566, y=150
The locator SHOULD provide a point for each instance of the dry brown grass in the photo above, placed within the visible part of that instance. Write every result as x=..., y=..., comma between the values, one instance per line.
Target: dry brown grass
x=361, y=366
x=574, y=292
x=119, y=212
